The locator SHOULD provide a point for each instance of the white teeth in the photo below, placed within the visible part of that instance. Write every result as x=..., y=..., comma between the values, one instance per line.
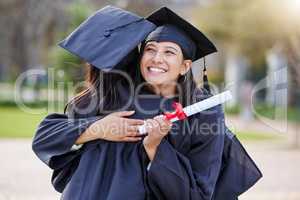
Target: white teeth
x=154, y=69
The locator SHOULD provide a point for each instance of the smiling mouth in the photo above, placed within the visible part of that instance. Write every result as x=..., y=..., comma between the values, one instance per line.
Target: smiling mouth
x=156, y=69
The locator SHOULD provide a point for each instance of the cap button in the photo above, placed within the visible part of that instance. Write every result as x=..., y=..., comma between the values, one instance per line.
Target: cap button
x=106, y=33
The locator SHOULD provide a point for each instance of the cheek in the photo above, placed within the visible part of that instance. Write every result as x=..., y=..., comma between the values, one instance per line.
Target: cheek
x=175, y=72
x=143, y=64
x=175, y=66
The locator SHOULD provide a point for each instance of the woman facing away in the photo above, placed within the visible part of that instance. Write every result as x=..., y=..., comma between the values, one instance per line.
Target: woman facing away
x=96, y=151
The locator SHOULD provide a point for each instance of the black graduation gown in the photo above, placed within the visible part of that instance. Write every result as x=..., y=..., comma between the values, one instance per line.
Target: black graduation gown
x=190, y=163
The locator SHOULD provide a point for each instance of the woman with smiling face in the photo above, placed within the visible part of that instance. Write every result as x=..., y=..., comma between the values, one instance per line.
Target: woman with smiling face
x=112, y=160
x=161, y=65
x=169, y=154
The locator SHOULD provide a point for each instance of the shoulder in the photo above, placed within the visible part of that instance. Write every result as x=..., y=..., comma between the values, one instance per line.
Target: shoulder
x=200, y=94
x=81, y=108
x=211, y=116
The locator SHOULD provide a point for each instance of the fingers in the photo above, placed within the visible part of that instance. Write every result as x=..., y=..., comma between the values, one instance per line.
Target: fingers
x=126, y=114
x=158, y=124
x=132, y=134
x=123, y=113
x=134, y=121
x=132, y=131
x=132, y=139
x=162, y=118
x=164, y=123
x=151, y=124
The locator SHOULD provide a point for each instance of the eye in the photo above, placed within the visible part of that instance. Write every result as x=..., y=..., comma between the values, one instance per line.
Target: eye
x=170, y=52
x=149, y=49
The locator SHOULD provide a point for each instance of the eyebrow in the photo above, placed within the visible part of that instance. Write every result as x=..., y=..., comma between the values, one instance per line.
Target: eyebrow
x=151, y=44
x=172, y=48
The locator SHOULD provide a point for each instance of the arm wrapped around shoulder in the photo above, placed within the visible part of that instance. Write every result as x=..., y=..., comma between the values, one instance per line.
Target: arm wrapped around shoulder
x=56, y=135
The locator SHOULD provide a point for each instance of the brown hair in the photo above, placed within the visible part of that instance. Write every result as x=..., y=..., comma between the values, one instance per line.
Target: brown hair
x=101, y=87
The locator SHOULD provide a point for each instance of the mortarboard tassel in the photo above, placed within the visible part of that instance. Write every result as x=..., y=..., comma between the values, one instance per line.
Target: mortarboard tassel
x=205, y=79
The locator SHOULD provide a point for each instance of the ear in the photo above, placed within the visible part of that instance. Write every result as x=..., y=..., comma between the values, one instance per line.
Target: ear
x=185, y=67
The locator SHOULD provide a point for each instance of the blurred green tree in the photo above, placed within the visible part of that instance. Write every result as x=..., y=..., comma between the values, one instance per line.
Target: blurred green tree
x=252, y=28
x=62, y=60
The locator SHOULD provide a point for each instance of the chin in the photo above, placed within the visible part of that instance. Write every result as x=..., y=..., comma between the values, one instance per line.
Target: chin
x=155, y=82
x=161, y=82
x=157, y=79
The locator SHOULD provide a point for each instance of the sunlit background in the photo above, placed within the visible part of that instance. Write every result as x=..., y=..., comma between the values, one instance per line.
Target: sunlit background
x=258, y=59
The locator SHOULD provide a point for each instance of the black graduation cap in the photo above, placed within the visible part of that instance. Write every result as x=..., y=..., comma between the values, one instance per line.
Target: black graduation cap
x=107, y=37
x=165, y=16
x=172, y=27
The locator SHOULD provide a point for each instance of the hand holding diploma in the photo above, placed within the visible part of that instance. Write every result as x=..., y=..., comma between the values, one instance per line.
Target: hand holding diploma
x=182, y=113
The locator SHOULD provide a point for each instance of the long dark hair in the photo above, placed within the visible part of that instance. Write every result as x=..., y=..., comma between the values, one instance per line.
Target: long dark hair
x=101, y=91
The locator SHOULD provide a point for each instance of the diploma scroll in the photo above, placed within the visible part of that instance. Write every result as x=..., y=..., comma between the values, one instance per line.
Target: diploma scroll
x=194, y=108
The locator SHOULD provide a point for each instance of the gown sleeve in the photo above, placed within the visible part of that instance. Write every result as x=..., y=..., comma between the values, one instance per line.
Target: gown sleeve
x=55, y=136
x=239, y=171
x=53, y=142
x=193, y=176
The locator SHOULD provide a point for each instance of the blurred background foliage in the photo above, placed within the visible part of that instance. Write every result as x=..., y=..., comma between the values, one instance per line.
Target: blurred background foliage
x=258, y=59
x=250, y=35
x=61, y=59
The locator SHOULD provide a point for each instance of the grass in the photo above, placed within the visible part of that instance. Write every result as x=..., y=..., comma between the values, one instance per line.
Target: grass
x=292, y=113
x=255, y=136
x=15, y=123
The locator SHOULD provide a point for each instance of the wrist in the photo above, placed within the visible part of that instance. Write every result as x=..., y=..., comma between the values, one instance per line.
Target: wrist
x=150, y=149
x=150, y=144
x=95, y=131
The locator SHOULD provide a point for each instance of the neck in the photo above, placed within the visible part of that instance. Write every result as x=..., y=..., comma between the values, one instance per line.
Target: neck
x=165, y=90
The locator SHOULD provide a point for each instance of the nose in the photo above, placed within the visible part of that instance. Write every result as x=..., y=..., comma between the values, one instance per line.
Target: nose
x=158, y=58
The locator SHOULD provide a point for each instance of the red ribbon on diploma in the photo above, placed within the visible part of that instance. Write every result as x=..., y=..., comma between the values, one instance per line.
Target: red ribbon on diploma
x=179, y=113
